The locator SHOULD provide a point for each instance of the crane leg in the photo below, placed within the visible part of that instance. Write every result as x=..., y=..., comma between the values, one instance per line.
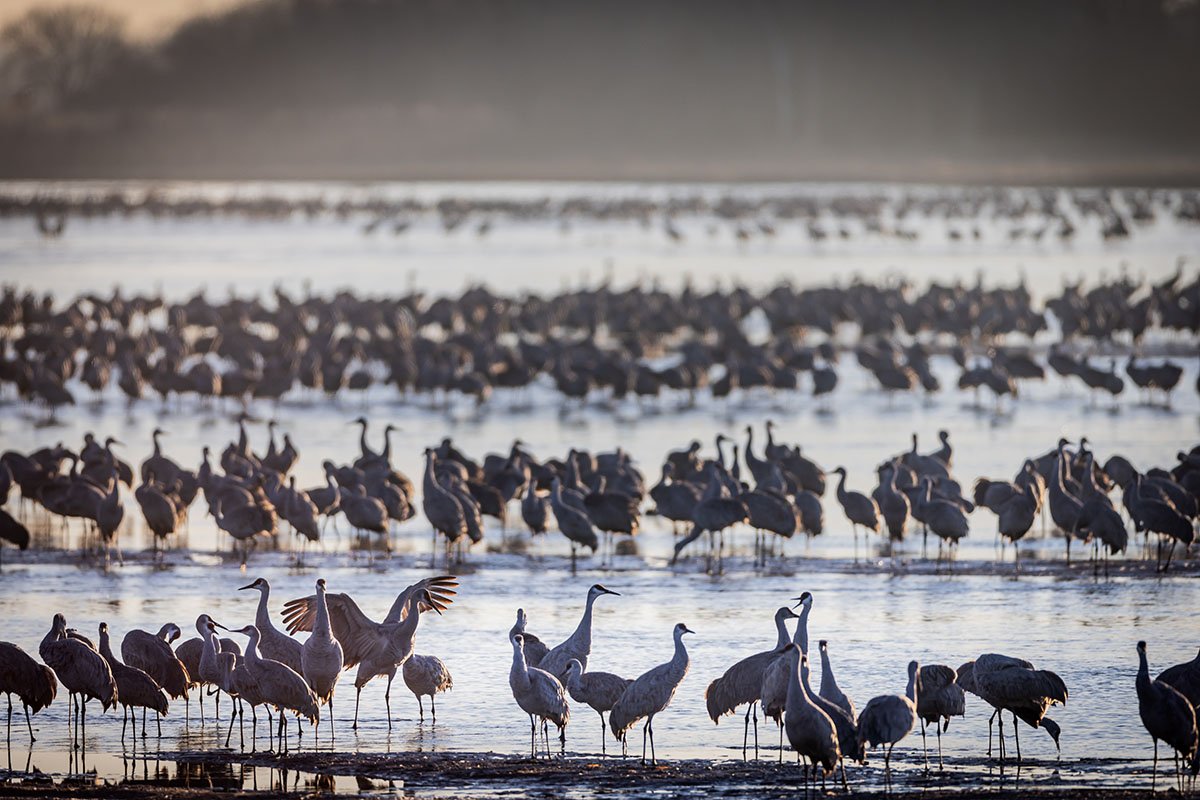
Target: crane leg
x=28, y=724
x=754, y=708
x=1000, y=724
x=8, y=730
x=1154, y=769
x=924, y=746
x=387, y=701
x=125, y=724
x=887, y=765
x=421, y=707
x=746, y=732
x=941, y=767
x=330, y=717
x=143, y=722
x=532, y=737
x=780, y=741
x=603, y=736
x=357, y=697
x=229, y=733
x=1017, y=737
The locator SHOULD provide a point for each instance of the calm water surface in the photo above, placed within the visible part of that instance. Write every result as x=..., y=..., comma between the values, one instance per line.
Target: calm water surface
x=1079, y=626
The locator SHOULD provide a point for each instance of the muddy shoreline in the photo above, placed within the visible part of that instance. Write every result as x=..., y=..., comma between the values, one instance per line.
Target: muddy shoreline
x=203, y=775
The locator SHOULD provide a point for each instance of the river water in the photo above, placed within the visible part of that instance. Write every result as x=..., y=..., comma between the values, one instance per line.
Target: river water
x=876, y=617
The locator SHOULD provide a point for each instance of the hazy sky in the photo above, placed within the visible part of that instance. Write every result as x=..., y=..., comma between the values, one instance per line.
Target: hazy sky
x=145, y=18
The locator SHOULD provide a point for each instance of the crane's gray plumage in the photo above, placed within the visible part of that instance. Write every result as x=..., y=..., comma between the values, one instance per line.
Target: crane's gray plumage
x=810, y=731
x=579, y=644
x=134, y=687
x=535, y=649
x=1012, y=684
x=539, y=694
x=153, y=655
x=278, y=684
x=32, y=682
x=940, y=699
x=377, y=648
x=829, y=688
x=426, y=675
x=743, y=682
x=600, y=690
x=273, y=643
x=650, y=693
x=80, y=669
x=889, y=718
x=321, y=656
x=1185, y=678
x=1167, y=715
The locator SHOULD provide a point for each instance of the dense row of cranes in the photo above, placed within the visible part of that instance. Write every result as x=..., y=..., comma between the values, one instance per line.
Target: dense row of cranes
x=593, y=499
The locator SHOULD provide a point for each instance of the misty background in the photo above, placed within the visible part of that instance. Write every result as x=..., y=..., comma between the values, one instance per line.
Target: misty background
x=1024, y=91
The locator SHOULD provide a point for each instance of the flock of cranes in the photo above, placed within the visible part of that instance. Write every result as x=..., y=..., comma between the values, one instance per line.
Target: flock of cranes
x=593, y=499
x=601, y=346
x=1024, y=215
x=278, y=672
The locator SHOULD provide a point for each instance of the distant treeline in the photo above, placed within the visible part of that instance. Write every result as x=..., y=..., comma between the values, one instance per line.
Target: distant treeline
x=1103, y=82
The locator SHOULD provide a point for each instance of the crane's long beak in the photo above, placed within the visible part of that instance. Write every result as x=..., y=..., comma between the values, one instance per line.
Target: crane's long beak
x=248, y=586
x=610, y=591
x=219, y=625
x=687, y=630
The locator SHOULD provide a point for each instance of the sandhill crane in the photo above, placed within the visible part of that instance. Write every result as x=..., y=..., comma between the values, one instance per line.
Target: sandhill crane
x=152, y=654
x=716, y=511
x=81, y=669
x=540, y=695
x=1158, y=515
x=945, y=519
x=829, y=688
x=426, y=675
x=810, y=731
x=1064, y=506
x=1012, y=684
x=742, y=682
x=34, y=683
x=191, y=653
x=649, y=694
x=134, y=687
x=573, y=523
x=859, y=509
x=892, y=503
x=273, y=643
x=442, y=509
x=940, y=698
x=12, y=532
x=888, y=718
x=535, y=649
x=774, y=705
x=321, y=655
x=674, y=500
x=774, y=689
x=1185, y=678
x=279, y=685
x=377, y=648
x=1167, y=715
x=600, y=690
x=579, y=644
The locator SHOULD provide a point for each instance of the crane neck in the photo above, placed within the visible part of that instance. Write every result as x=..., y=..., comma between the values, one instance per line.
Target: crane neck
x=796, y=696
x=387, y=445
x=827, y=671
x=321, y=624
x=106, y=646
x=519, y=672
x=262, y=618
x=362, y=440
x=408, y=625
x=583, y=631
x=680, y=658
x=157, y=448
x=781, y=634
x=1143, y=673
x=801, y=637
x=251, y=653
x=914, y=680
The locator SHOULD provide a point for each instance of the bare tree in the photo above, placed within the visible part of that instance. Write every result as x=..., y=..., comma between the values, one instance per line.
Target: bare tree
x=54, y=52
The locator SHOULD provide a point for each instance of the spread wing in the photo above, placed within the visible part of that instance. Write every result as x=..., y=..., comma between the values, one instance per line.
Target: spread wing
x=440, y=587
x=357, y=633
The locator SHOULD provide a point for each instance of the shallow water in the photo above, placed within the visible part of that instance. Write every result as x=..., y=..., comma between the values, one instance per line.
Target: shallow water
x=1078, y=625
